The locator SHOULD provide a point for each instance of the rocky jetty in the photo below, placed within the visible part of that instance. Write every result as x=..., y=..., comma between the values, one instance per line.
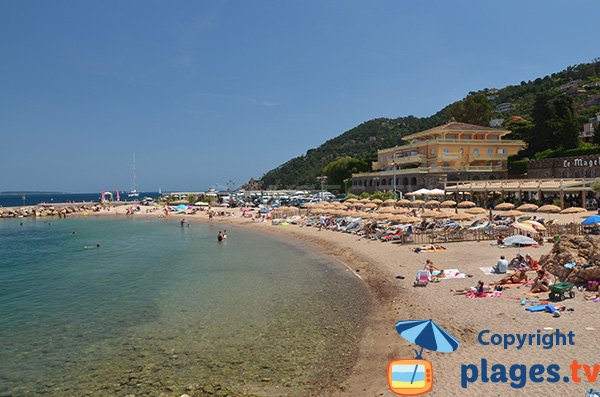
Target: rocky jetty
x=59, y=210
x=583, y=250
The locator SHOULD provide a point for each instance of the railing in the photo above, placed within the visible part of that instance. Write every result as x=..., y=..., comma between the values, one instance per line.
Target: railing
x=414, y=158
x=425, y=170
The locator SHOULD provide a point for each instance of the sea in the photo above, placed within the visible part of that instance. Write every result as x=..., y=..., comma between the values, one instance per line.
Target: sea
x=132, y=306
x=24, y=199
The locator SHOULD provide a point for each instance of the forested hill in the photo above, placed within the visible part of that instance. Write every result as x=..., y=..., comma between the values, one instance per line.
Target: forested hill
x=363, y=141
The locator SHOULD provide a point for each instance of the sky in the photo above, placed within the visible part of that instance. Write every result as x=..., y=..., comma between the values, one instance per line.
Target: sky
x=203, y=92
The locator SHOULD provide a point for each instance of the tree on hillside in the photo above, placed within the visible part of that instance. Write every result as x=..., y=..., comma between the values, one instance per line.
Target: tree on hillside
x=474, y=109
x=341, y=169
x=565, y=126
x=555, y=124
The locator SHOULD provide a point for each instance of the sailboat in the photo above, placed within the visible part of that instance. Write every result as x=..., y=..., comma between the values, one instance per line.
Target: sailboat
x=133, y=193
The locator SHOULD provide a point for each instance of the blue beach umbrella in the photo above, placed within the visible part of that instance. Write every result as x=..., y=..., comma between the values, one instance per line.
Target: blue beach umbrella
x=592, y=220
x=427, y=335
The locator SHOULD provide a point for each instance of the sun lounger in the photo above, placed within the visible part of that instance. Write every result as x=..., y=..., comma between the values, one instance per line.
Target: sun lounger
x=423, y=277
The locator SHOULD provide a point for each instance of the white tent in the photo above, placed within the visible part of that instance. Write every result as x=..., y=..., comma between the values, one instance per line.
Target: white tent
x=436, y=192
x=420, y=192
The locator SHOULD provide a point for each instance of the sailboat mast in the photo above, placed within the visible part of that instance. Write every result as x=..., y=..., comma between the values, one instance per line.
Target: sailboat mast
x=134, y=184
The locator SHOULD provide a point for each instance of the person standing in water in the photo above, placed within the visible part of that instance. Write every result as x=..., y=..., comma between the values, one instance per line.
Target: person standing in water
x=182, y=222
x=220, y=236
x=224, y=234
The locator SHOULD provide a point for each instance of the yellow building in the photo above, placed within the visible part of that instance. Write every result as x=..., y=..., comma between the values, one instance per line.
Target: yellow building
x=450, y=152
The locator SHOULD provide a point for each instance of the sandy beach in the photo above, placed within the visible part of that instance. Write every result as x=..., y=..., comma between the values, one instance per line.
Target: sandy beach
x=378, y=265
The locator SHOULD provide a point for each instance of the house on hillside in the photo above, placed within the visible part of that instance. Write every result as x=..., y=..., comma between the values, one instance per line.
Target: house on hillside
x=590, y=128
x=503, y=107
x=496, y=122
x=570, y=84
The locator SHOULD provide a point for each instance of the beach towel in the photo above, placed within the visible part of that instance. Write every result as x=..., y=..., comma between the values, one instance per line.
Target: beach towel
x=541, y=308
x=570, y=265
x=488, y=271
x=452, y=273
x=474, y=294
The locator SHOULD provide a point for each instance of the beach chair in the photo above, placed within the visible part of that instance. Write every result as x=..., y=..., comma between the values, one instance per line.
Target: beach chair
x=423, y=277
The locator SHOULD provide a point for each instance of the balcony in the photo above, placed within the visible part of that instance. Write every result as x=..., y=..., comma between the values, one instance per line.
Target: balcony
x=448, y=156
x=486, y=156
x=412, y=159
x=427, y=170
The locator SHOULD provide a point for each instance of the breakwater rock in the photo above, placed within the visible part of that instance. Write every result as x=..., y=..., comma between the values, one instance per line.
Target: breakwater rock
x=60, y=210
x=584, y=251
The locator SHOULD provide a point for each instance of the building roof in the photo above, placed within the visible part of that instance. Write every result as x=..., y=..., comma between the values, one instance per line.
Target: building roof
x=455, y=126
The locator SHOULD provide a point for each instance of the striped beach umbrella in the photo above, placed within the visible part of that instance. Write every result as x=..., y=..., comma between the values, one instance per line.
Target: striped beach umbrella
x=427, y=335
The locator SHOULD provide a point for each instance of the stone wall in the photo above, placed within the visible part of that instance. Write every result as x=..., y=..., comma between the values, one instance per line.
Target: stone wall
x=565, y=167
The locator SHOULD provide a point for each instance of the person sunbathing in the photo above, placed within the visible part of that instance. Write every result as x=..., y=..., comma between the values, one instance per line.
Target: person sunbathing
x=591, y=297
x=515, y=278
x=542, y=282
x=479, y=289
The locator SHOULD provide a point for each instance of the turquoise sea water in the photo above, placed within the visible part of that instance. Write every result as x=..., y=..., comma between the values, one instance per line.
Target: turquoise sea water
x=162, y=309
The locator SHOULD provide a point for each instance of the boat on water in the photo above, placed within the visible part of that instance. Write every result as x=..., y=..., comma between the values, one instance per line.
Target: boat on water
x=134, y=193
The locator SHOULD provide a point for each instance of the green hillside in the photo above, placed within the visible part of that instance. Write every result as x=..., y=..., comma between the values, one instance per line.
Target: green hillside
x=363, y=141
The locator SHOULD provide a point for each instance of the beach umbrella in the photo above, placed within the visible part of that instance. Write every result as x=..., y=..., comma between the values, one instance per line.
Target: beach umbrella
x=427, y=335
x=513, y=213
x=403, y=202
x=432, y=203
x=536, y=225
x=524, y=227
x=461, y=217
x=519, y=240
x=573, y=210
x=364, y=201
x=591, y=220
x=475, y=211
x=448, y=204
x=442, y=214
x=504, y=206
x=370, y=205
x=377, y=201
x=389, y=202
x=401, y=210
x=466, y=204
x=387, y=210
x=351, y=200
x=429, y=214
x=527, y=207
x=417, y=203
x=549, y=208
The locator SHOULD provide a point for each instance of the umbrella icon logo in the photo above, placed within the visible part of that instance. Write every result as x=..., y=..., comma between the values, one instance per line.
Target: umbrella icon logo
x=411, y=377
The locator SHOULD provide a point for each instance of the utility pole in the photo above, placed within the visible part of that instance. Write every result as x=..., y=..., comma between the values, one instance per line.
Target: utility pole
x=322, y=179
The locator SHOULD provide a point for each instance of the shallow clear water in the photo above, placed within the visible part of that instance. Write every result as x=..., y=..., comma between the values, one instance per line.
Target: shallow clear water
x=162, y=309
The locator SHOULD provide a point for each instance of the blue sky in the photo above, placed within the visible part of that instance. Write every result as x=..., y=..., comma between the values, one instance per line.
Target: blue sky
x=207, y=91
